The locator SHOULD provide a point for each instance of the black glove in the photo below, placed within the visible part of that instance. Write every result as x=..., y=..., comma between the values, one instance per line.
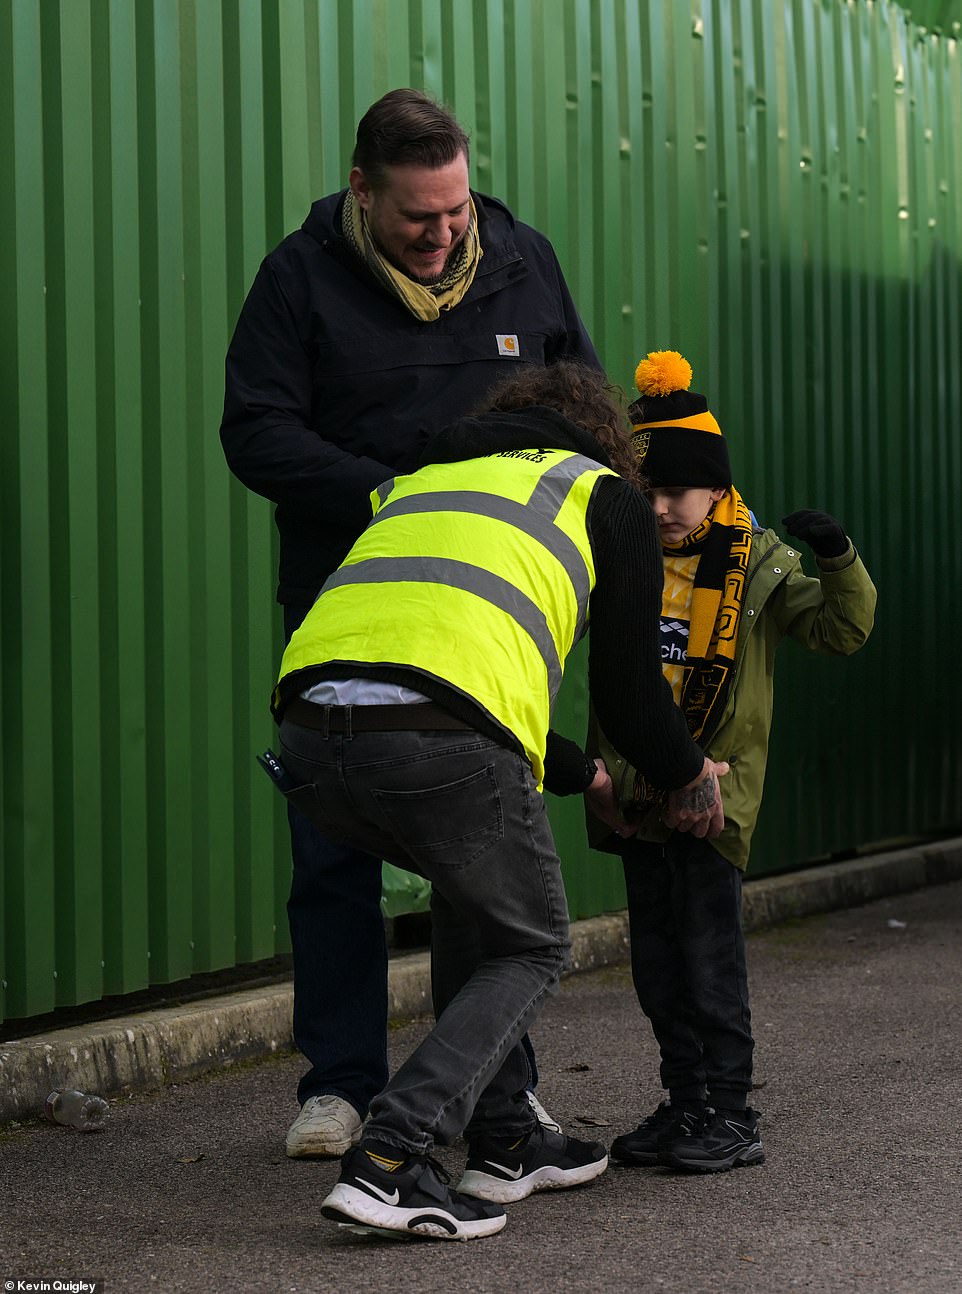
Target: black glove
x=824, y=536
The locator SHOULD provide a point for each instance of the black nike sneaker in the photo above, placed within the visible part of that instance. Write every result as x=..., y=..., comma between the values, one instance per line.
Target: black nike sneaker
x=653, y=1134
x=723, y=1139
x=506, y=1170
x=409, y=1196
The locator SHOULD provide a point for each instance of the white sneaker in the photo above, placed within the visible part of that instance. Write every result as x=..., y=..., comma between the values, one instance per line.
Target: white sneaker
x=325, y=1126
x=544, y=1118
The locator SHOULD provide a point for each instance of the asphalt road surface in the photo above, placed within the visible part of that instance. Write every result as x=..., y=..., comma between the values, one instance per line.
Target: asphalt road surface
x=858, y=1065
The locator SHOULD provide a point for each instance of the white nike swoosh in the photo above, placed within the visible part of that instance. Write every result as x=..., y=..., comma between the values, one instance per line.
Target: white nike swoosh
x=508, y=1172
x=383, y=1195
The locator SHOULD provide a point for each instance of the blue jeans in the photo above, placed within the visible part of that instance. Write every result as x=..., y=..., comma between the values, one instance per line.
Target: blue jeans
x=465, y=813
x=340, y=959
x=340, y=967
x=688, y=966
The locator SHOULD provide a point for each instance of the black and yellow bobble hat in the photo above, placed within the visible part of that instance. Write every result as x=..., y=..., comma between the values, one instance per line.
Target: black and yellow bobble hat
x=677, y=440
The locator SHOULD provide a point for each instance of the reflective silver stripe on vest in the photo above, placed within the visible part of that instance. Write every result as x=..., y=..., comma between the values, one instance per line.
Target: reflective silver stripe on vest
x=535, y=518
x=471, y=579
x=497, y=508
x=384, y=489
x=554, y=487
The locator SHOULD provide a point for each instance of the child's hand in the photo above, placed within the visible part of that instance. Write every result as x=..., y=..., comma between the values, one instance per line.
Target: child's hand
x=823, y=534
x=698, y=806
x=603, y=802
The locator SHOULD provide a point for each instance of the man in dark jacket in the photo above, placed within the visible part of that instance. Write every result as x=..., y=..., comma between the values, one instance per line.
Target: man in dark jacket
x=389, y=314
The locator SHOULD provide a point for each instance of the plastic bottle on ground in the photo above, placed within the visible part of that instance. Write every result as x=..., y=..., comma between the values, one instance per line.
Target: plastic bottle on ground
x=76, y=1110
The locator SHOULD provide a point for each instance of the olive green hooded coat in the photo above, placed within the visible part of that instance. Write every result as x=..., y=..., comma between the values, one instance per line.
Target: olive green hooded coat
x=833, y=614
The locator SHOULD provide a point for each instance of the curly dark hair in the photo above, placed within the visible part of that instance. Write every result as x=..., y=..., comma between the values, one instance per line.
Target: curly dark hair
x=582, y=395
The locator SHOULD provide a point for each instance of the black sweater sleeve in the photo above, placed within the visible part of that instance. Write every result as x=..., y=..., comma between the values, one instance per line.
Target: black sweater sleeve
x=632, y=698
x=567, y=769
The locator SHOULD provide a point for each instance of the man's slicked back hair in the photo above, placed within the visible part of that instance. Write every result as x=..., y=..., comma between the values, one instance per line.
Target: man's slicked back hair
x=406, y=128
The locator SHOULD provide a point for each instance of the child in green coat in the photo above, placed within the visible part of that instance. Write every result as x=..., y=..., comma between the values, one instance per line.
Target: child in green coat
x=732, y=591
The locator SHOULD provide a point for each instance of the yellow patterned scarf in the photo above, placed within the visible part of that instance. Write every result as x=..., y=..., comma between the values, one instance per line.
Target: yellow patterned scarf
x=722, y=543
x=425, y=303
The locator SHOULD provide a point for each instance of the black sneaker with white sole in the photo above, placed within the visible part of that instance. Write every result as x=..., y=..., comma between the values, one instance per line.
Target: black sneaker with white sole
x=653, y=1134
x=506, y=1170
x=723, y=1139
x=411, y=1197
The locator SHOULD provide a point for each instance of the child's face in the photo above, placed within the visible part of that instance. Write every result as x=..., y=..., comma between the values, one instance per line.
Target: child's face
x=679, y=509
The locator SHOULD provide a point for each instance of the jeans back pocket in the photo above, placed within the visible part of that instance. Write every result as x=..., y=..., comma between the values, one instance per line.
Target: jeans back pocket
x=450, y=825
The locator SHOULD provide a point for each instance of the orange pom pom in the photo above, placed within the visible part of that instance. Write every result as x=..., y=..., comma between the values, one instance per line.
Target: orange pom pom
x=662, y=372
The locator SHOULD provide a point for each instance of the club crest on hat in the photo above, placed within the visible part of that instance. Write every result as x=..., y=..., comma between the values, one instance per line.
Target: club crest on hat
x=640, y=442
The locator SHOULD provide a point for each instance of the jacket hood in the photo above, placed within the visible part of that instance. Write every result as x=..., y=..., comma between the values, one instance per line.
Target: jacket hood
x=536, y=427
x=324, y=218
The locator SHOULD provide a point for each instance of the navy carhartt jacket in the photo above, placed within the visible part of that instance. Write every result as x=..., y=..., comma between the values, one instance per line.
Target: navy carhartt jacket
x=332, y=386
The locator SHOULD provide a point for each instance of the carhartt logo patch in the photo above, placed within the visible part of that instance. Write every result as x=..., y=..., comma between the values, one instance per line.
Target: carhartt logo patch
x=508, y=345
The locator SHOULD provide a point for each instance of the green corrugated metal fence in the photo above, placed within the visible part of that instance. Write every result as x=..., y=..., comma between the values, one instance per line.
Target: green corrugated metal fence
x=942, y=16
x=772, y=186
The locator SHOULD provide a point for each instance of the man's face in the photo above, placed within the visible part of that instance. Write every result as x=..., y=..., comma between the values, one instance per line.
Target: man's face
x=418, y=215
x=679, y=509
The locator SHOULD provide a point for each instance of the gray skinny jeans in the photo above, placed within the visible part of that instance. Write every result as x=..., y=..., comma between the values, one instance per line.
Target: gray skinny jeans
x=465, y=813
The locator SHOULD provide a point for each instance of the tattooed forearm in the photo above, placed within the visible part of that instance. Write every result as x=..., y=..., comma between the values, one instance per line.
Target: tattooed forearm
x=698, y=798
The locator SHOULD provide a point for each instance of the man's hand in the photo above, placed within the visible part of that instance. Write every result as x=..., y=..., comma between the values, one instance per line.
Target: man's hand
x=604, y=803
x=698, y=806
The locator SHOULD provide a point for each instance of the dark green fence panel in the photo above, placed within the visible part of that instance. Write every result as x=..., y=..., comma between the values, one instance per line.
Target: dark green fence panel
x=942, y=16
x=772, y=186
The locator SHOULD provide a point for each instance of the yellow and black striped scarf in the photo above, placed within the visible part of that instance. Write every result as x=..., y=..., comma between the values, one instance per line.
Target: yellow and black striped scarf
x=721, y=543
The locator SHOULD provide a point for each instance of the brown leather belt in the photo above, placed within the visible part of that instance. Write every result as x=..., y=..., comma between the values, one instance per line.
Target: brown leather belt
x=371, y=718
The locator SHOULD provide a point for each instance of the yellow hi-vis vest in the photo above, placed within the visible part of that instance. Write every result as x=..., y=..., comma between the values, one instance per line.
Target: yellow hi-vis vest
x=476, y=573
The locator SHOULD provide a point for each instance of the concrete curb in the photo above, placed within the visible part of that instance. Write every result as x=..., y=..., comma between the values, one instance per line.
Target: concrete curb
x=148, y=1051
